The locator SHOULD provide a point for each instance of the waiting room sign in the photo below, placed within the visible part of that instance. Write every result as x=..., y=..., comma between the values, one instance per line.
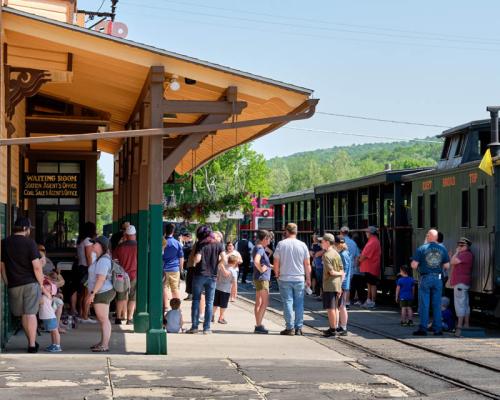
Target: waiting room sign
x=51, y=185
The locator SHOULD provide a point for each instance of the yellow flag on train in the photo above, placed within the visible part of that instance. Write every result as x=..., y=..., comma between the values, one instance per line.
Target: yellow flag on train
x=487, y=163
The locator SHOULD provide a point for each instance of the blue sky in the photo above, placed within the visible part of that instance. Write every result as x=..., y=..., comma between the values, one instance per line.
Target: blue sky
x=428, y=61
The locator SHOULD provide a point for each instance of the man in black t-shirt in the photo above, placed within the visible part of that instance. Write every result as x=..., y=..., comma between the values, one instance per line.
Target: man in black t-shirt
x=22, y=273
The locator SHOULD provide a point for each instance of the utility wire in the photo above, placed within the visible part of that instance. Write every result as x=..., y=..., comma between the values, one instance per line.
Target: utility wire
x=316, y=21
x=381, y=120
x=361, y=135
x=294, y=25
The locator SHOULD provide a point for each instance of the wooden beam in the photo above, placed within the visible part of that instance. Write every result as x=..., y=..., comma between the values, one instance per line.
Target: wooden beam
x=203, y=107
x=186, y=130
x=144, y=91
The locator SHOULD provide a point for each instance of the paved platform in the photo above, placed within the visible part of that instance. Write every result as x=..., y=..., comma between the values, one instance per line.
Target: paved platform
x=231, y=363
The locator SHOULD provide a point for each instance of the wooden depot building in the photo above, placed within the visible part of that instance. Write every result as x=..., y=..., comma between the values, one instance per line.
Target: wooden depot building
x=69, y=93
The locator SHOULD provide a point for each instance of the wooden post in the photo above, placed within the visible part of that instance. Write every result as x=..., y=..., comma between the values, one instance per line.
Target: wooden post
x=156, y=337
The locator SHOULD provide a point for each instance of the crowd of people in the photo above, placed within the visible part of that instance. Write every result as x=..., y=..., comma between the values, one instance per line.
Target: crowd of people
x=334, y=269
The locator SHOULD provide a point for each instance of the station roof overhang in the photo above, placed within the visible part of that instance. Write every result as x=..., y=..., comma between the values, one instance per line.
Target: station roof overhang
x=108, y=74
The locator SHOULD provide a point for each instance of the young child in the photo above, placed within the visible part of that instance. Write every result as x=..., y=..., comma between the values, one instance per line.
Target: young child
x=447, y=315
x=173, y=318
x=226, y=277
x=48, y=317
x=405, y=292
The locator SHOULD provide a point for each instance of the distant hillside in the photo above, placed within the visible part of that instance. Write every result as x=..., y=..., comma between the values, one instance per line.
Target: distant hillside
x=311, y=168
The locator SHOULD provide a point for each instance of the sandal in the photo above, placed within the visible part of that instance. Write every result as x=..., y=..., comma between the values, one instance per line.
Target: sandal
x=99, y=349
x=94, y=346
x=222, y=321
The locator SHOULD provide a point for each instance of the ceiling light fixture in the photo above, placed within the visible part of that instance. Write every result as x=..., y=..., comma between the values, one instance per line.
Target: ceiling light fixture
x=174, y=84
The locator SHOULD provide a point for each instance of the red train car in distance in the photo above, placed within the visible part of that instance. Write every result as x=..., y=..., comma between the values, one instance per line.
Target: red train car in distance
x=260, y=217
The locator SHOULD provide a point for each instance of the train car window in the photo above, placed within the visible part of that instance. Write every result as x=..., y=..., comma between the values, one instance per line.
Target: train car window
x=343, y=205
x=460, y=146
x=446, y=148
x=465, y=209
x=481, y=207
x=433, y=210
x=335, y=212
x=420, y=211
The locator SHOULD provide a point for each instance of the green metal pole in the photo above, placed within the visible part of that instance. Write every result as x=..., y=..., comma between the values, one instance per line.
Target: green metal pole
x=134, y=218
x=141, y=317
x=156, y=337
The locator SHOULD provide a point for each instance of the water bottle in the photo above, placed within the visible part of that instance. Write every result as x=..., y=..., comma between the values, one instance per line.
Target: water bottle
x=69, y=322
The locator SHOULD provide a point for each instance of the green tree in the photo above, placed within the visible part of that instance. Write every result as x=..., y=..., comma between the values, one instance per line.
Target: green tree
x=104, y=202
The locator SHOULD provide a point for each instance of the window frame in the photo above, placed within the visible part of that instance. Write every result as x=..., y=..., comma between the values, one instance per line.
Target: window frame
x=433, y=209
x=462, y=225
x=420, y=211
x=482, y=207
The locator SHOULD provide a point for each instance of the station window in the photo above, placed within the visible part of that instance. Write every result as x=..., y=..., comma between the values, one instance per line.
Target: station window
x=446, y=148
x=481, y=207
x=465, y=209
x=420, y=211
x=433, y=210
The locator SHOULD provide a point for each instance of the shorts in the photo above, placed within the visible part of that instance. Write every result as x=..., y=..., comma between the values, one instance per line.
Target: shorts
x=221, y=299
x=104, y=297
x=25, y=299
x=461, y=300
x=330, y=300
x=371, y=279
x=261, y=285
x=405, y=303
x=129, y=294
x=50, y=324
x=171, y=280
x=342, y=298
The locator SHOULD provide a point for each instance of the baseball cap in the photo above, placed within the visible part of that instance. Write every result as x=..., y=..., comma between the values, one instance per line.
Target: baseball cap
x=372, y=229
x=338, y=239
x=130, y=230
x=328, y=237
x=464, y=240
x=23, y=222
x=103, y=241
x=344, y=229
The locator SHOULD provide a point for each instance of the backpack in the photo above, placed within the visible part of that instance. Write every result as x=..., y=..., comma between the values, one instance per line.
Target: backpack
x=119, y=278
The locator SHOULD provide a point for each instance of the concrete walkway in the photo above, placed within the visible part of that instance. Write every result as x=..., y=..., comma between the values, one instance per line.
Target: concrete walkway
x=231, y=363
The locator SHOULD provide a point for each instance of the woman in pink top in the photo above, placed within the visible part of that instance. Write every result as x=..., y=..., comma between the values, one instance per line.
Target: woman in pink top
x=369, y=263
x=461, y=279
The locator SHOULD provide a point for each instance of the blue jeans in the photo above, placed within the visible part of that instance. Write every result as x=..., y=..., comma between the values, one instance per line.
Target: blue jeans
x=429, y=293
x=292, y=294
x=200, y=283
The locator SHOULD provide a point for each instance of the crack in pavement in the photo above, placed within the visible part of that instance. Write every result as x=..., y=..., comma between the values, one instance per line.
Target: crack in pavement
x=260, y=392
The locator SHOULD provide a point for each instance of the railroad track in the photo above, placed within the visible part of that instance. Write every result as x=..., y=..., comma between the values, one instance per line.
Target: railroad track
x=406, y=364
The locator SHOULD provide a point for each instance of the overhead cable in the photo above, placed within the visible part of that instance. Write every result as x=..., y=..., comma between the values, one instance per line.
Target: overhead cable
x=381, y=120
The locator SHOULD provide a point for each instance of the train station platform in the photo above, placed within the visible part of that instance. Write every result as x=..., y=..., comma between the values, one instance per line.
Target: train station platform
x=232, y=362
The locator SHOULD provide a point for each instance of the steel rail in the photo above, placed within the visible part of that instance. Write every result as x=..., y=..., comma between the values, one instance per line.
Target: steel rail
x=417, y=368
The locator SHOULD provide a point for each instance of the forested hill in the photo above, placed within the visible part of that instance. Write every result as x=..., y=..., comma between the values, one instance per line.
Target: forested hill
x=311, y=168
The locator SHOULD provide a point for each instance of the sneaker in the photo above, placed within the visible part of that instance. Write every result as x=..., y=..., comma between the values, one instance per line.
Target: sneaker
x=192, y=331
x=287, y=332
x=118, y=321
x=88, y=321
x=260, y=329
x=33, y=349
x=298, y=332
x=329, y=332
x=371, y=304
x=130, y=322
x=341, y=332
x=358, y=303
x=188, y=298
x=53, y=348
x=222, y=321
x=420, y=332
x=207, y=332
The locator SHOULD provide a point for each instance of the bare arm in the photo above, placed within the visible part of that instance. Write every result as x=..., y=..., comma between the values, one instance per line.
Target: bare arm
x=256, y=261
x=307, y=267
x=181, y=264
x=446, y=266
x=454, y=259
x=100, y=279
x=276, y=266
x=4, y=273
x=197, y=258
x=397, y=293
x=38, y=270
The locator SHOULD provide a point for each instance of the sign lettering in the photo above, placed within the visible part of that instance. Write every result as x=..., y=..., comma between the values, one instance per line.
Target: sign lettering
x=51, y=185
x=473, y=177
x=449, y=181
x=426, y=185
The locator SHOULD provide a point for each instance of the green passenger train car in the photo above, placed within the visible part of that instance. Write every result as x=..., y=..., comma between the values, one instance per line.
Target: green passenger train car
x=460, y=200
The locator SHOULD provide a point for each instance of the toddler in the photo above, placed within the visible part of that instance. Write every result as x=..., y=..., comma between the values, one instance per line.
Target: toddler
x=48, y=317
x=226, y=277
x=173, y=318
x=405, y=292
x=447, y=315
